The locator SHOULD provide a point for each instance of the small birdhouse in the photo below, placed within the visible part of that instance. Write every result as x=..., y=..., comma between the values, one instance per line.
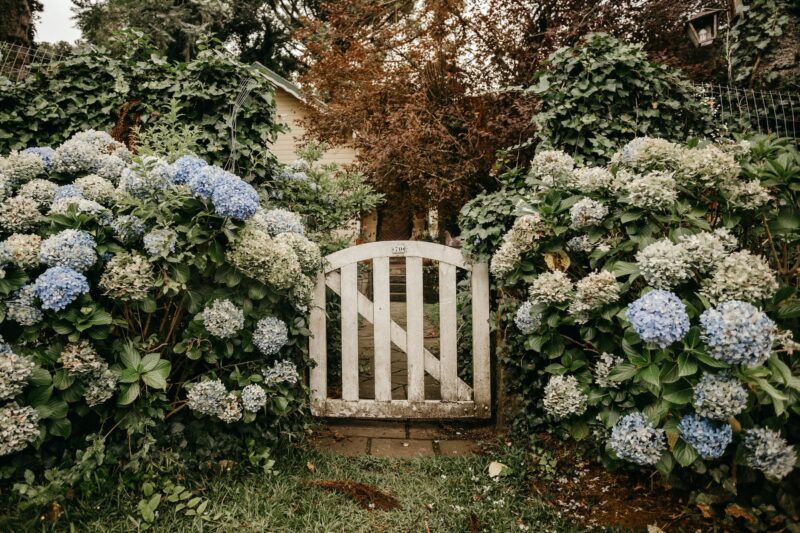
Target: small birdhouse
x=702, y=27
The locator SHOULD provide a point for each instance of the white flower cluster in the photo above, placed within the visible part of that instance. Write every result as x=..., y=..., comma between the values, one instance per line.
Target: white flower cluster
x=664, y=264
x=82, y=360
x=519, y=240
x=592, y=179
x=526, y=319
x=635, y=439
x=19, y=214
x=97, y=189
x=707, y=167
x=551, y=288
x=99, y=387
x=223, y=319
x=706, y=249
x=40, y=191
x=67, y=206
x=21, y=167
x=563, y=397
x=719, y=396
x=603, y=368
x=281, y=372
x=277, y=221
x=19, y=426
x=767, y=451
x=592, y=292
x=740, y=276
x=254, y=398
x=653, y=191
x=21, y=307
x=648, y=153
x=553, y=168
x=213, y=399
x=580, y=243
x=24, y=249
x=127, y=277
x=749, y=195
x=586, y=213
x=270, y=335
x=14, y=373
x=231, y=409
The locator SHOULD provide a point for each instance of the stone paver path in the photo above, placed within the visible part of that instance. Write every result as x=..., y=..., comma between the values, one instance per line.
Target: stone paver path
x=400, y=439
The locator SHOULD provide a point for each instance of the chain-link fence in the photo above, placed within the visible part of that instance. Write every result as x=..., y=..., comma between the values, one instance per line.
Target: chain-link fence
x=16, y=60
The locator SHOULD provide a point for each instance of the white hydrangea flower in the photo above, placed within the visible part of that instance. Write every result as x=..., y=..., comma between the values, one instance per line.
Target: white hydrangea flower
x=592, y=179
x=127, y=277
x=706, y=249
x=740, y=276
x=75, y=156
x=99, y=387
x=22, y=309
x=281, y=372
x=592, y=292
x=271, y=334
x=19, y=426
x=551, y=288
x=552, y=167
x=719, y=396
x=564, y=398
x=581, y=243
x=80, y=359
x=748, y=195
x=223, y=319
x=526, y=319
x=767, y=451
x=111, y=167
x=603, y=368
x=664, y=264
x=96, y=188
x=231, y=409
x=254, y=398
x=63, y=206
x=19, y=214
x=586, y=213
x=21, y=167
x=707, y=167
x=307, y=252
x=261, y=257
x=520, y=239
x=654, y=191
x=207, y=397
x=40, y=191
x=648, y=153
x=24, y=249
x=14, y=373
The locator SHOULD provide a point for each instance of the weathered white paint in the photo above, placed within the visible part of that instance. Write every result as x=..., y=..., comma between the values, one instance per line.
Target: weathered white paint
x=448, y=332
x=382, y=321
x=350, y=332
x=458, y=398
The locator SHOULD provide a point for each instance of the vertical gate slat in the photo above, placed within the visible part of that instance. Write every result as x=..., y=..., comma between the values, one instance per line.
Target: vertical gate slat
x=350, y=332
x=481, y=369
x=448, y=342
x=382, y=321
x=317, y=344
x=415, y=334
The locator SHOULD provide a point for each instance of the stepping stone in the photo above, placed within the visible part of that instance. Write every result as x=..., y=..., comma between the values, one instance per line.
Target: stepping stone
x=457, y=448
x=348, y=446
x=401, y=448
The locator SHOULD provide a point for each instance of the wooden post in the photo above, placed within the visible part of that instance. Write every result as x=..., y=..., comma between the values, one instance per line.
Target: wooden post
x=350, y=332
x=481, y=364
x=382, y=329
x=317, y=344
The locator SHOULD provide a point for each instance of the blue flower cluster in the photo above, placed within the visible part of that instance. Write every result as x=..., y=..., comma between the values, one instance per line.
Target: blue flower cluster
x=527, y=320
x=277, y=221
x=69, y=248
x=185, y=167
x=203, y=182
x=768, y=451
x=67, y=191
x=45, y=153
x=659, y=317
x=57, y=287
x=270, y=335
x=160, y=242
x=635, y=439
x=737, y=333
x=709, y=438
x=719, y=396
x=234, y=198
x=128, y=227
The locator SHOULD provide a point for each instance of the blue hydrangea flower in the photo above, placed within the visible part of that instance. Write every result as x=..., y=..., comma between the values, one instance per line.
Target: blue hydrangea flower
x=57, y=287
x=768, y=451
x=70, y=248
x=277, y=221
x=67, y=191
x=635, y=439
x=737, y=333
x=45, y=153
x=203, y=182
x=185, y=167
x=709, y=438
x=128, y=227
x=234, y=198
x=719, y=396
x=270, y=335
x=659, y=317
x=160, y=242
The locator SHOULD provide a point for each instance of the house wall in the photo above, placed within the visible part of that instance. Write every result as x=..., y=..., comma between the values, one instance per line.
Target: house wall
x=291, y=111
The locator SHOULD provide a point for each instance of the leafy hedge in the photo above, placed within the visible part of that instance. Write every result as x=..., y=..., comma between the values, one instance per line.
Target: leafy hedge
x=602, y=92
x=648, y=308
x=91, y=89
x=143, y=300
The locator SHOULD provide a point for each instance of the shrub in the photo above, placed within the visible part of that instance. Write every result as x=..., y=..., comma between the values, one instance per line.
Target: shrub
x=143, y=305
x=604, y=91
x=666, y=315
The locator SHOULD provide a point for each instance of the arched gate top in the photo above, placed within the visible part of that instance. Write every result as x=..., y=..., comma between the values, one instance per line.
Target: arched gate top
x=371, y=250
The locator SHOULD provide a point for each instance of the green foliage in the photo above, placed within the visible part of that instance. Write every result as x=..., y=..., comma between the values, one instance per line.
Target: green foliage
x=657, y=381
x=753, y=38
x=92, y=89
x=170, y=136
x=330, y=199
x=603, y=92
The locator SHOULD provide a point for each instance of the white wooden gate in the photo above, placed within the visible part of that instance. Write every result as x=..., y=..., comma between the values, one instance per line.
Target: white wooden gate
x=458, y=399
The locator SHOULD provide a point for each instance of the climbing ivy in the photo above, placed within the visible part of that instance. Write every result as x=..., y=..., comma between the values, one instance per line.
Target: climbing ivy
x=753, y=37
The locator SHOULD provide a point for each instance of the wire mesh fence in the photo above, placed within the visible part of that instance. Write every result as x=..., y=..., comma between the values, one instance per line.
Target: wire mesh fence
x=740, y=109
x=17, y=60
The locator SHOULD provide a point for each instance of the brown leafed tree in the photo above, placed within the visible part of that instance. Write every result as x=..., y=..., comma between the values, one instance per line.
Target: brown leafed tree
x=17, y=20
x=425, y=89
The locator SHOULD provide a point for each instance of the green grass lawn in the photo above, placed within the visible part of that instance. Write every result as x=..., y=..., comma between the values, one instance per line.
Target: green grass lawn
x=435, y=494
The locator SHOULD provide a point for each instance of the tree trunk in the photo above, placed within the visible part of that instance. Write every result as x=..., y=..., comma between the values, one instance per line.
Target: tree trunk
x=15, y=22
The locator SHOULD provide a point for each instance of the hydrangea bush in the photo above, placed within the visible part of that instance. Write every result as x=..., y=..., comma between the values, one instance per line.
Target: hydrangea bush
x=136, y=289
x=649, y=304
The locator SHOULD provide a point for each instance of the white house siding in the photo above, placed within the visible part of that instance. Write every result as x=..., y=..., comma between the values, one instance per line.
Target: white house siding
x=290, y=111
